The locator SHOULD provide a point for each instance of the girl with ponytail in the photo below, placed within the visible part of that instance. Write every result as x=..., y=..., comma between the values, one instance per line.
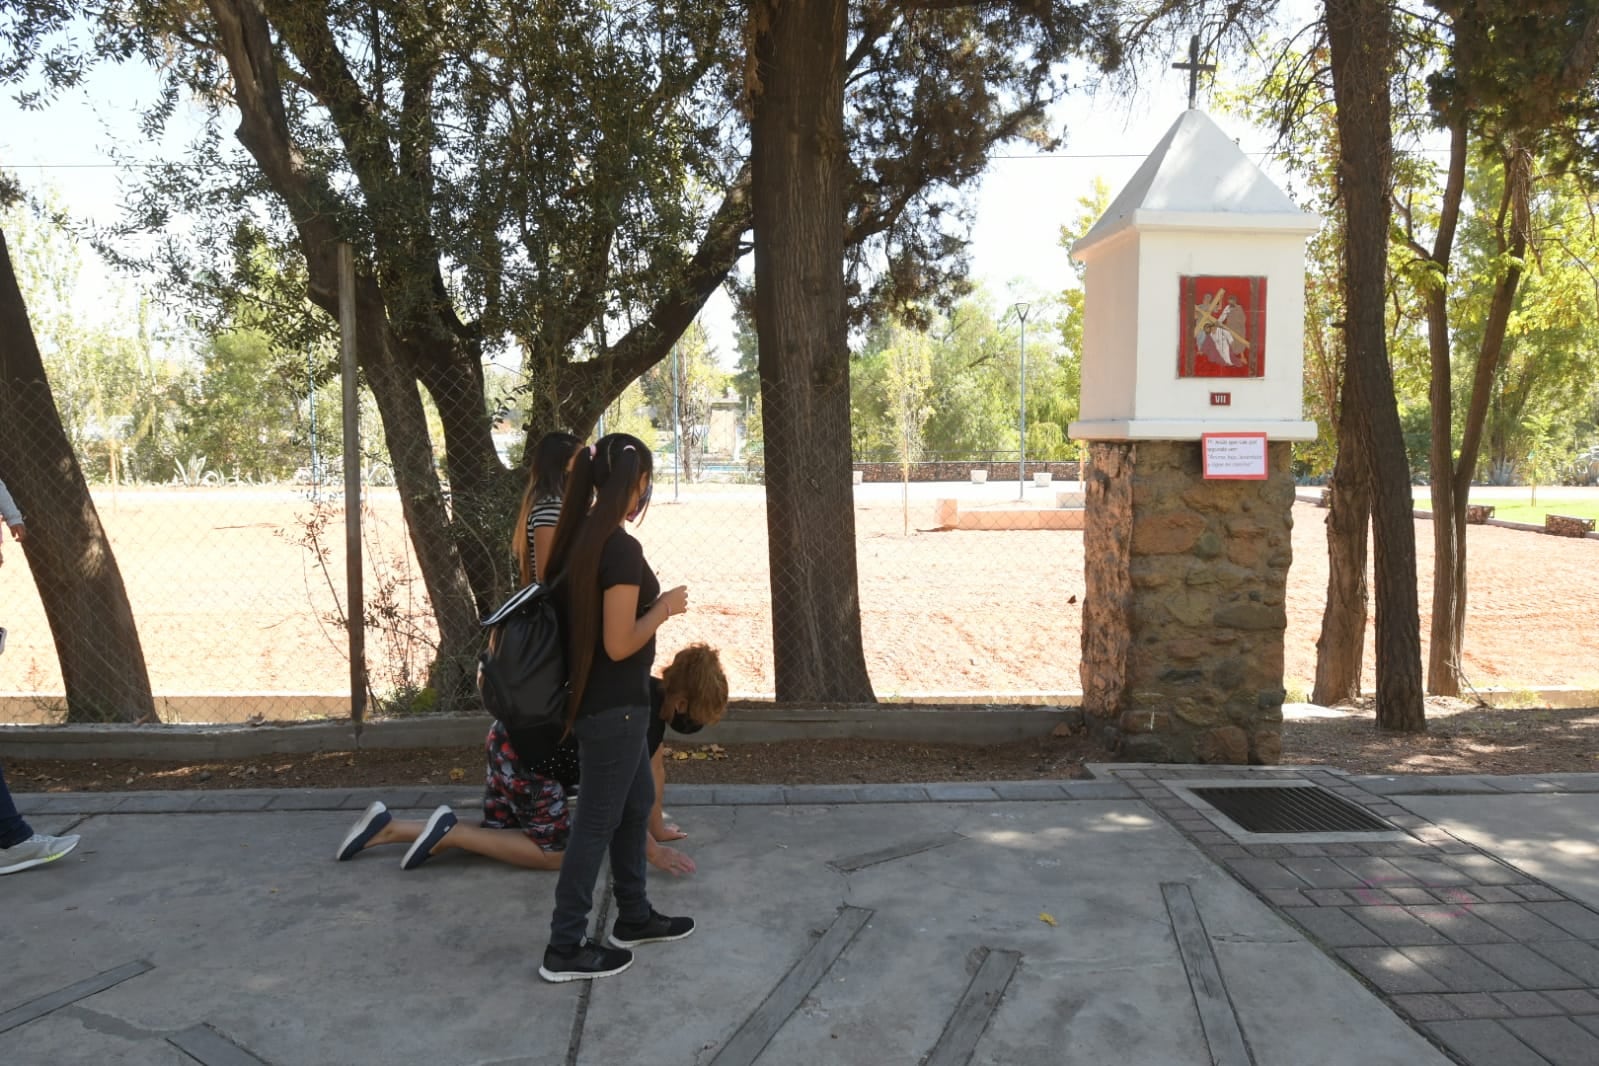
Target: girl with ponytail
x=541, y=503
x=611, y=604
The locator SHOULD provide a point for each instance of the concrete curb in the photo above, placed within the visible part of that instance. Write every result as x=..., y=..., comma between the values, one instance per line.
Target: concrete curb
x=1105, y=787
x=253, y=801
x=927, y=724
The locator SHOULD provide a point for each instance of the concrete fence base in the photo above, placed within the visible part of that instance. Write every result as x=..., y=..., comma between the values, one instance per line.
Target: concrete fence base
x=743, y=725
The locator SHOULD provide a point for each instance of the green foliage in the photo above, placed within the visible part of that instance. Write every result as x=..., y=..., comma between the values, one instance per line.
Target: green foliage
x=1545, y=457
x=973, y=370
x=693, y=378
x=1550, y=363
x=244, y=413
x=631, y=414
x=907, y=383
x=117, y=387
x=527, y=177
x=1046, y=441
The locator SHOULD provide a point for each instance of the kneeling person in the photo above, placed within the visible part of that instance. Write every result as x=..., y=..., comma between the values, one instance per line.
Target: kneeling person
x=533, y=793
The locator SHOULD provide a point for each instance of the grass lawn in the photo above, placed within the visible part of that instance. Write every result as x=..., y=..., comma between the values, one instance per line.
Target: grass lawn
x=1522, y=511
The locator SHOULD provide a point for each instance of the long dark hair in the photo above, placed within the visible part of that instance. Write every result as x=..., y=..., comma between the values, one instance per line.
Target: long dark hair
x=546, y=476
x=603, y=478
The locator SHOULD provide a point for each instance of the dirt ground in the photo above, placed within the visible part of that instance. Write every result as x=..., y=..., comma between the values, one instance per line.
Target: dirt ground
x=228, y=602
x=1461, y=738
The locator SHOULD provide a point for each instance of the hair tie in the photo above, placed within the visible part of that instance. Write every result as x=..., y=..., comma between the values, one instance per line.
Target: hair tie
x=628, y=448
x=592, y=453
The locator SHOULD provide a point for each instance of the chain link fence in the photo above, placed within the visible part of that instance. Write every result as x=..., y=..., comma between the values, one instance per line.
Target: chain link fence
x=221, y=578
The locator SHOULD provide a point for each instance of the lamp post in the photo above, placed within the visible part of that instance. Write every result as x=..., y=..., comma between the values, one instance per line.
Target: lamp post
x=1021, y=417
x=677, y=434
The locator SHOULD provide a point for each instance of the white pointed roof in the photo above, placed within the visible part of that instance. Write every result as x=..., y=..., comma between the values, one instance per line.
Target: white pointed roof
x=1197, y=178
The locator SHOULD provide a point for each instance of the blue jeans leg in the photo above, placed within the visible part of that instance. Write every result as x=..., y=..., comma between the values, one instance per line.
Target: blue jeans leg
x=612, y=816
x=13, y=830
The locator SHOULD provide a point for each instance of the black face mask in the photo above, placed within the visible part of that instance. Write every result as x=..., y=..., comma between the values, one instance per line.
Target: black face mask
x=643, y=502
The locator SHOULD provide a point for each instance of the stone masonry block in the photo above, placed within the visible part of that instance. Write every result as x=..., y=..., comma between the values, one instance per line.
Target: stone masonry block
x=1574, y=918
x=1574, y=1000
x=1397, y=926
x=1576, y=957
x=1560, y=1040
x=1424, y=1008
x=1519, y=922
x=1264, y=874
x=1476, y=1005
x=1459, y=925
x=1528, y=1004
x=1484, y=1043
x=1459, y=970
x=1391, y=971
x=1332, y=927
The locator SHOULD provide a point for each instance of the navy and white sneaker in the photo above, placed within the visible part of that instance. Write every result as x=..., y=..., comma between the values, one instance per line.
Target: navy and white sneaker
x=584, y=962
x=366, y=827
x=655, y=929
x=440, y=822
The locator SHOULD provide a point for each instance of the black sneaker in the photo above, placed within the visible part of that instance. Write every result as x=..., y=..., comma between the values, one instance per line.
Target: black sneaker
x=654, y=929
x=583, y=963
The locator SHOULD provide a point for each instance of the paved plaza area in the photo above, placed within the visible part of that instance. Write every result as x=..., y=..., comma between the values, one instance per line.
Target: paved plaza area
x=1096, y=922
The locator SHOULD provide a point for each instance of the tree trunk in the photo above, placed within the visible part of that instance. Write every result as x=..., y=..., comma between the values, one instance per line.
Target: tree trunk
x=797, y=153
x=1452, y=475
x=1444, y=673
x=85, y=602
x=483, y=494
x=1341, y=648
x=399, y=404
x=1360, y=37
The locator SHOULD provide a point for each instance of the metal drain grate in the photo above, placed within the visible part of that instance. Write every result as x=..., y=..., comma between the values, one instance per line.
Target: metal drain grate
x=1291, y=809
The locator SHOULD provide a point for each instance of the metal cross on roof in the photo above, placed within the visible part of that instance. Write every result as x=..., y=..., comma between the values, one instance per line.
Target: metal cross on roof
x=1194, y=68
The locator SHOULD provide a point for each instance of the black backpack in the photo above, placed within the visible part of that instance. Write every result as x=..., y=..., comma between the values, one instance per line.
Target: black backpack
x=521, y=675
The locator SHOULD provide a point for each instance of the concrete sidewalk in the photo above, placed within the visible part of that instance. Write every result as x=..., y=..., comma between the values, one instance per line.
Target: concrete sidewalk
x=1015, y=924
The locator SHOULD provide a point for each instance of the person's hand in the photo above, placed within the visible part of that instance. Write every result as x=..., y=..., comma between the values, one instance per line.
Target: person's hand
x=676, y=600
x=668, y=833
x=670, y=860
x=19, y=531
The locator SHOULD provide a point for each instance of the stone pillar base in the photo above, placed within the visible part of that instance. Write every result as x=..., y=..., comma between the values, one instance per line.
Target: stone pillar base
x=1183, y=616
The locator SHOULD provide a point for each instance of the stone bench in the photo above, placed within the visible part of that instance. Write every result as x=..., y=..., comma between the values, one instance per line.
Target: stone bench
x=1478, y=514
x=947, y=514
x=1561, y=525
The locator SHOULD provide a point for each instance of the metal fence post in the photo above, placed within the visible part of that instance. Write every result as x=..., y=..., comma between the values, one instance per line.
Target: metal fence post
x=354, y=594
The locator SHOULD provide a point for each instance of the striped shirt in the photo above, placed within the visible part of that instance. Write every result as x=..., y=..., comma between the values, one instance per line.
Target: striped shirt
x=546, y=513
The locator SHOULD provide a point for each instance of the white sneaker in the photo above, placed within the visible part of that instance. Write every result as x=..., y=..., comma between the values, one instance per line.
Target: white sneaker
x=35, y=851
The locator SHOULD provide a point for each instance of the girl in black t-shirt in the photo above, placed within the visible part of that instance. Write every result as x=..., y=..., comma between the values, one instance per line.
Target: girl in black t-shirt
x=610, y=605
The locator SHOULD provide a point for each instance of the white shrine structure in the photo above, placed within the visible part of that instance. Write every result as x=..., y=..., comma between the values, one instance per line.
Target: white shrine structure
x=1196, y=208
x=1192, y=366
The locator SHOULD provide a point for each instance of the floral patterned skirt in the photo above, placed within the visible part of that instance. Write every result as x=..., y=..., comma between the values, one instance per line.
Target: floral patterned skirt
x=516, y=799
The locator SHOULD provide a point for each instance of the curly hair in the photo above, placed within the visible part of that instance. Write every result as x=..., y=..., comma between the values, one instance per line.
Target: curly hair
x=696, y=673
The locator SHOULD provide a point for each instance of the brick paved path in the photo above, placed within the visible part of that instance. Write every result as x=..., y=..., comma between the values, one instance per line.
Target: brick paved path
x=1495, y=966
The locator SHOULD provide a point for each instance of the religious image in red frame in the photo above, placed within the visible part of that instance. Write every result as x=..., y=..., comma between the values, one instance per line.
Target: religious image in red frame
x=1223, y=327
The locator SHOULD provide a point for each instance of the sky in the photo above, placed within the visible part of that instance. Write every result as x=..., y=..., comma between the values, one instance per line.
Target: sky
x=1023, y=200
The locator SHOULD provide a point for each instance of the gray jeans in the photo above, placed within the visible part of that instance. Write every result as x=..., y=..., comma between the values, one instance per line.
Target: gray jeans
x=613, y=814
